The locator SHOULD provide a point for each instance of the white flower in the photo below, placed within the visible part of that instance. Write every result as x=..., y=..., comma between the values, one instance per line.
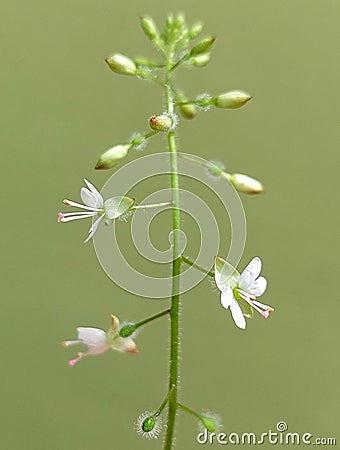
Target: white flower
x=94, y=206
x=239, y=292
x=97, y=341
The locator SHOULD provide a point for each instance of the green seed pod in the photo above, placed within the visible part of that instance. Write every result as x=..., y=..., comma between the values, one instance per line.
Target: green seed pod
x=121, y=64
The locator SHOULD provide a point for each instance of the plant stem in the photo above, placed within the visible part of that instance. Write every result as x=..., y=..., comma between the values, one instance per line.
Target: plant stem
x=176, y=266
x=201, y=269
x=154, y=205
x=190, y=411
x=149, y=319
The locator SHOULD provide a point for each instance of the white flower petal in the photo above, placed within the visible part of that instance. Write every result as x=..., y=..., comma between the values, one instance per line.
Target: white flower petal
x=257, y=287
x=92, y=336
x=93, y=228
x=250, y=273
x=227, y=297
x=237, y=314
x=91, y=196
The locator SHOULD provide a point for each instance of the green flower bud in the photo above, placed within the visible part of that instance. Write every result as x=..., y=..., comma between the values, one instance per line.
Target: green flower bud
x=246, y=184
x=109, y=158
x=232, y=99
x=150, y=29
x=179, y=21
x=121, y=64
x=188, y=111
x=161, y=123
x=195, y=30
x=202, y=47
x=200, y=60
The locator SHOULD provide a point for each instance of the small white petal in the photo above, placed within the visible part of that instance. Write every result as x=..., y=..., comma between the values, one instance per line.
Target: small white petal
x=91, y=196
x=91, y=336
x=237, y=314
x=227, y=297
x=257, y=287
x=93, y=228
x=250, y=273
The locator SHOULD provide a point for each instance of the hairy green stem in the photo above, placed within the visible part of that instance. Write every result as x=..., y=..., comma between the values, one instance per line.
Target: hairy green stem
x=149, y=319
x=201, y=269
x=150, y=206
x=176, y=266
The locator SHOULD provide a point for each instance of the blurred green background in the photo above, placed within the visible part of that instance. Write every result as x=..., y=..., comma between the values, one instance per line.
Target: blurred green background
x=61, y=108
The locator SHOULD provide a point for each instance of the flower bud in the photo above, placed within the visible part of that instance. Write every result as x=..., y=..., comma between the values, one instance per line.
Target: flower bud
x=246, y=184
x=150, y=29
x=200, y=60
x=179, y=21
x=188, y=111
x=109, y=158
x=203, y=47
x=161, y=123
x=232, y=99
x=195, y=30
x=121, y=64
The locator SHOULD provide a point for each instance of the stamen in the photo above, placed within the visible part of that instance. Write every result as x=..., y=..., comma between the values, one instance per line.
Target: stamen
x=252, y=303
x=79, y=205
x=68, y=343
x=263, y=306
x=74, y=361
x=74, y=216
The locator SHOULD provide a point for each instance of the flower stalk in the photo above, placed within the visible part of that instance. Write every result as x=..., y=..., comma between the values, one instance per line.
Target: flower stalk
x=176, y=265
